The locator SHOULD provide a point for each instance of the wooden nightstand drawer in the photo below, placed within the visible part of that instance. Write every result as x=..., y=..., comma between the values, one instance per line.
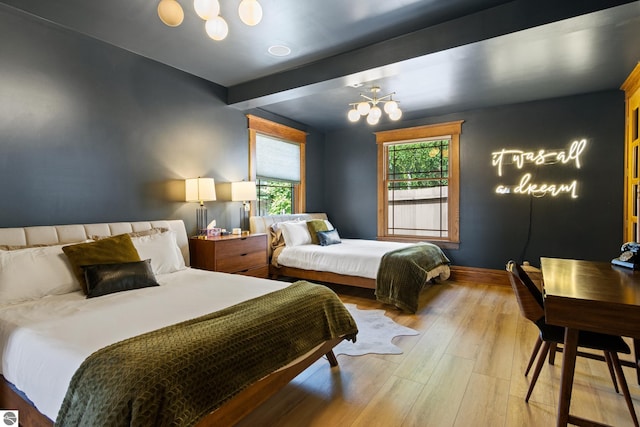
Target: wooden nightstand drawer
x=241, y=262
x=256, y=272
x=240, y=247
x=231, y=254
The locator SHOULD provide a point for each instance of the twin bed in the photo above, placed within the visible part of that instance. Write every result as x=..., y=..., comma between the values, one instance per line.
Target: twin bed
x=193, y=347
x=60, y=349
x=354, y=262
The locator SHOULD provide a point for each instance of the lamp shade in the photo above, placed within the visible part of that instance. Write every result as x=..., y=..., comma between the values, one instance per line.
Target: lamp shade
x=200, y=190
x=243, y=191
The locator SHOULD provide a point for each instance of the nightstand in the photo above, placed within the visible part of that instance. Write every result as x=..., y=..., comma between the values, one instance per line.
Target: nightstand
x=231, y=254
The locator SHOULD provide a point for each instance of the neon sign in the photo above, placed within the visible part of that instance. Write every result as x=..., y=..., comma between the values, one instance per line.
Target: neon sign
x=519, y=158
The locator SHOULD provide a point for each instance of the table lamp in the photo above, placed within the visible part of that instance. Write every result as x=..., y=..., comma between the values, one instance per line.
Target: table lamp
x=244, y=191
x=200, y=190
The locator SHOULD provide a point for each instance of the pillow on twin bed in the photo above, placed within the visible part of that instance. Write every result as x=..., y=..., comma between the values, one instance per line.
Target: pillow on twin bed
x=315, y=225
x=30, y=274
x=330, y=237
x=103, y=279
x=295, y=233
x=111, y=250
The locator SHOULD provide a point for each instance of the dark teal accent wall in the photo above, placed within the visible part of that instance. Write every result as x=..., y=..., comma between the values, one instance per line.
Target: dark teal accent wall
x=494, y=228
x=92, y=133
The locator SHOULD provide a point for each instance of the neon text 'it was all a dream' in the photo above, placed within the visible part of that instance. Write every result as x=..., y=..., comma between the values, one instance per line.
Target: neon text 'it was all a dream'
x=519, y=158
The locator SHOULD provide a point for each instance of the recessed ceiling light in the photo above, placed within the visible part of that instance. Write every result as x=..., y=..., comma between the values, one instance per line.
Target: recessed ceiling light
x=279, y=50
x=356, y=85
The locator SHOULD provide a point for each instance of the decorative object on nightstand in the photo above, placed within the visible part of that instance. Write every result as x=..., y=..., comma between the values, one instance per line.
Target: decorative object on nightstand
x=200, y=190
x=239, y=254
x=245, y=192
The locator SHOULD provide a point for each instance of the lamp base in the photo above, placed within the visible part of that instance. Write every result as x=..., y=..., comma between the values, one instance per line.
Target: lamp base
x=201, y=220
x=244, y=216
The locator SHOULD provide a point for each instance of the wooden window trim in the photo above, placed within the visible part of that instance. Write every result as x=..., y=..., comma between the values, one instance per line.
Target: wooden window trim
x=267, y=127
x=417, y=133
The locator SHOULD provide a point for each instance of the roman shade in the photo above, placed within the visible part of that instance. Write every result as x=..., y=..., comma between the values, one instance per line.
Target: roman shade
x=277, y=159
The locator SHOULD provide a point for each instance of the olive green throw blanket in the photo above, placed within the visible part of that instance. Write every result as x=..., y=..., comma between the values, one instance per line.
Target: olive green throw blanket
x=403, y=273
x=176, y=375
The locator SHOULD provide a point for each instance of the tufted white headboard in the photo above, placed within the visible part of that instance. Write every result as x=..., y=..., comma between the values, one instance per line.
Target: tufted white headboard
x=52, y=234
x=260, y=224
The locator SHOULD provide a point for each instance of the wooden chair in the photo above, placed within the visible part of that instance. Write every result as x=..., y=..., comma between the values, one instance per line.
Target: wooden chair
x=531, y=305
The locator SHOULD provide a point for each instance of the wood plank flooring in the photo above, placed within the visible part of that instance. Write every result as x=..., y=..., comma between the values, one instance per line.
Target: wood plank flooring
x=466, y=368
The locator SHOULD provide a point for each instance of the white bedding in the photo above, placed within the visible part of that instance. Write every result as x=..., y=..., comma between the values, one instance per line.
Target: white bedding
x=354, y=257
x=43, y=342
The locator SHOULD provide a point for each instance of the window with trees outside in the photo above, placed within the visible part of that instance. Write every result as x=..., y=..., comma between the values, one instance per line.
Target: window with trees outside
x=418, y=183
x=276, y=163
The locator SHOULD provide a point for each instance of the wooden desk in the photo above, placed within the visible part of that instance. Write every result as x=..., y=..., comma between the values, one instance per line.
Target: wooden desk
x=592, y=296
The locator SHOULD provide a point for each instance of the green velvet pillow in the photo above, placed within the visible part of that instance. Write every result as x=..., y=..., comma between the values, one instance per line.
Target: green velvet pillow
x=315, y=225
x=112, y=250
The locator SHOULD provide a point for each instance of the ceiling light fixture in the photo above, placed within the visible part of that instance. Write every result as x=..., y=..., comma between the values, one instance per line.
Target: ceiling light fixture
x=171, y=14
x=250, y=12
x=279, y=50
x=370, y=108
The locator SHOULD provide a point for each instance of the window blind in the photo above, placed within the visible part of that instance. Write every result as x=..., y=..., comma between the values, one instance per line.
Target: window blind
x=277, y=159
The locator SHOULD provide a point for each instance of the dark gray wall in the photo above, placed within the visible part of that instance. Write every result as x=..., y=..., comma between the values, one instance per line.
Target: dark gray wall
x=92, y=133
x=494, y=228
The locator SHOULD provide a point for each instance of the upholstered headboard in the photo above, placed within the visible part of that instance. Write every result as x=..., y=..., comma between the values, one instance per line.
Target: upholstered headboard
x=52, y=234
x=260, y=224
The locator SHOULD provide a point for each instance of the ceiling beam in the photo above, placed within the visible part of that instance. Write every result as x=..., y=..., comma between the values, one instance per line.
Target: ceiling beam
x=346, y=68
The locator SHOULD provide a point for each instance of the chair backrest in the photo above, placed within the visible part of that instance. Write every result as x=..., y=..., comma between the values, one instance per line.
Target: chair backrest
x=528, y=295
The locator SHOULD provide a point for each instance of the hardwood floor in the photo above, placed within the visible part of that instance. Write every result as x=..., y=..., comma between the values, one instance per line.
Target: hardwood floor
x=466, y=368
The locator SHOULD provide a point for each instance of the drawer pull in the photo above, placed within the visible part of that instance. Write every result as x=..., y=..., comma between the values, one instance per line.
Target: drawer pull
x=244, y=254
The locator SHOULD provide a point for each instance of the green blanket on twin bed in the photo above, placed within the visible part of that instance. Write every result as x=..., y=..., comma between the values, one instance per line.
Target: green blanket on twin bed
x=403, y=273
x=178, y=374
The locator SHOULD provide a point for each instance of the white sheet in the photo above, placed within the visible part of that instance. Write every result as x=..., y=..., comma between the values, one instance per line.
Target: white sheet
x=354, y=257
x=43, y=342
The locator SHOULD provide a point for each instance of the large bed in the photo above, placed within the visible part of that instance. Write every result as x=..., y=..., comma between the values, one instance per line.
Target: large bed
x=55, y=343
x=352, y=262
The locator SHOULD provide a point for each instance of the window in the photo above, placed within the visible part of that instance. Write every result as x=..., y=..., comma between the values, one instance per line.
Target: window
x=274, y=197
x=418, y=183
x=276, y=163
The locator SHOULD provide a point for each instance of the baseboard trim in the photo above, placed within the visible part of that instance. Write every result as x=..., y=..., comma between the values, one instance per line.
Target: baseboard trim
x=483, y=275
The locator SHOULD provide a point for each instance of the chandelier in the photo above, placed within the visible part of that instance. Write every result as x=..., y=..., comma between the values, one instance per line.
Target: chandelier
x=370, y=108
x=171, y=14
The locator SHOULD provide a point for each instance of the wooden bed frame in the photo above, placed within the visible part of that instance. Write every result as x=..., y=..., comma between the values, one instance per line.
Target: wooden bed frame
x=231, y=411
x=322, y=276
x=228, y=414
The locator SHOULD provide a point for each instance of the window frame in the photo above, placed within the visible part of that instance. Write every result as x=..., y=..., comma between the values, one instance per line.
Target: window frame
x=412, y=135
x=267, y=127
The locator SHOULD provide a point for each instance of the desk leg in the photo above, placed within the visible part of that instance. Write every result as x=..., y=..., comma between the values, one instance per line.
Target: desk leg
x=636, y=356
x=568, y=368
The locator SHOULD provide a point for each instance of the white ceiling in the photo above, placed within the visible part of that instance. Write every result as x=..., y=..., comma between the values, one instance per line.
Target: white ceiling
x=439, y=56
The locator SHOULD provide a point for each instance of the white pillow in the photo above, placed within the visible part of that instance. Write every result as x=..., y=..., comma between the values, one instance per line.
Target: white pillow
x=329, y=225
x=163, y=251
x=295, y=233
x=30, y=274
